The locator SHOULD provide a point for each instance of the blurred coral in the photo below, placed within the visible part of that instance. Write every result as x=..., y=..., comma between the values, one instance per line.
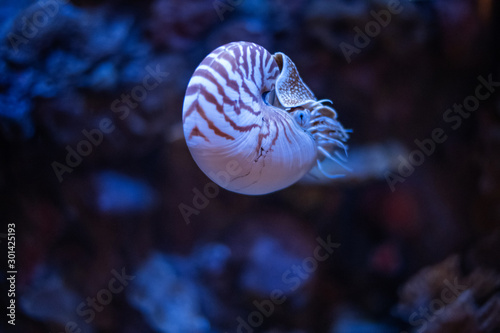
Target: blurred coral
x=441, y=298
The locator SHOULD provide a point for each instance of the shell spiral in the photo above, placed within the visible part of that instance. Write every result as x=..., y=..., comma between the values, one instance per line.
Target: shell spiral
x=251, y=124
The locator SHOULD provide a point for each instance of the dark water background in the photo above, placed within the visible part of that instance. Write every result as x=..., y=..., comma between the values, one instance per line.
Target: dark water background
x=94, y=170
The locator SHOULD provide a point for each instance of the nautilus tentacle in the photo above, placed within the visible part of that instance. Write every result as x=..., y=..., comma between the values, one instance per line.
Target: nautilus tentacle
x=252, y=125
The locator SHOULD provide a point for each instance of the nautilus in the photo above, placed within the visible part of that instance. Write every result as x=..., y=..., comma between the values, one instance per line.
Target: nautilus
x=253, y=126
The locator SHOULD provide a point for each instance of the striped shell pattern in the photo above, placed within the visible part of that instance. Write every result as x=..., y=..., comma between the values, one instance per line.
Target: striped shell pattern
x=252, y=125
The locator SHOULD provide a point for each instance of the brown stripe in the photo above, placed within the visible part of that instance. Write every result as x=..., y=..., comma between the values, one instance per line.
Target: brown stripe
x=268, y=59
x=253, y=57
x=225, y=75
x=211, y=124
x=237, y=69
x=198, y=87
x=284, y=129
x=190, y=110
x=196, y=132
x=230, y=59
x=244, y=77
x=275, y=137
x=248, y=108
x=245, y=63
x=245, y=87
x=273, y=70
x=211, y=99
x=195, y=106
x=237, y=55
x=261, y=68
x=193, y=89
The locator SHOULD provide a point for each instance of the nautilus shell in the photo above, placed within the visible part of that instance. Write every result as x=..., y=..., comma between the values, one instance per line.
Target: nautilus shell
x=252, y=125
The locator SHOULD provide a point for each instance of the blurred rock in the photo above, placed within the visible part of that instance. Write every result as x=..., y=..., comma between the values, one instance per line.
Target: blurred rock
x=169, y=300
x=248, y=29
x=177, y=24
x=269, y=259
x=350, y=321
x=48, y=299
x=121, y=194
x=441, y=298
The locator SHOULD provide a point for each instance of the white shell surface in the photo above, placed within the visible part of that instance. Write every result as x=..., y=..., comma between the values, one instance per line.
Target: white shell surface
x=237, y=140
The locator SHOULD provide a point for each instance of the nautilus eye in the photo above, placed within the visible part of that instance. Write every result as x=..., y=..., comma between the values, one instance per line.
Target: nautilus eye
x=252, y=125
x=302, y=117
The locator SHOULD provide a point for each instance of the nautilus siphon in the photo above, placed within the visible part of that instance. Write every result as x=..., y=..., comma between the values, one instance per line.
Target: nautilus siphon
x=253, y=126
